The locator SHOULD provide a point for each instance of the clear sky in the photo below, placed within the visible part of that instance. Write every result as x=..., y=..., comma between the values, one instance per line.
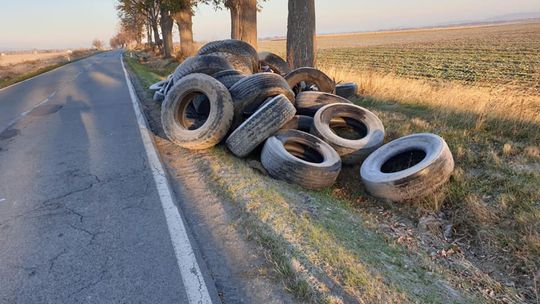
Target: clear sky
x=26, y=24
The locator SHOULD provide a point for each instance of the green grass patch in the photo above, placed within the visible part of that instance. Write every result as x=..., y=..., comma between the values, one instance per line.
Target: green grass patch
x=146, y=76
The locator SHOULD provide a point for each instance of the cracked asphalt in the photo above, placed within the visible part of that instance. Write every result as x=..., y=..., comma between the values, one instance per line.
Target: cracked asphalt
x=80, y=216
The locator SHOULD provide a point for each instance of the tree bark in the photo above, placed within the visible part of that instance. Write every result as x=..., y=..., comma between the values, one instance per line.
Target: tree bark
x=235, y=9
x=248, y=22
x=166, y=23
x=149, y=40
x=157, y=39
x=301, y=34
x=185, y=28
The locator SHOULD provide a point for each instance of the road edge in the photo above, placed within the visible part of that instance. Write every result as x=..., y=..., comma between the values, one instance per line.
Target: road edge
x=194, y=282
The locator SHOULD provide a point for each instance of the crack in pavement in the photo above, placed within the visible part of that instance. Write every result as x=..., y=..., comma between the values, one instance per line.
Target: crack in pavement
x=94, y=283
x=93, y=235
x=53, y=260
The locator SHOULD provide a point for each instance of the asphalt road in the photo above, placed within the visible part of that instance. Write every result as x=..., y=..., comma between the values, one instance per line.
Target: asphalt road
x=80, y=214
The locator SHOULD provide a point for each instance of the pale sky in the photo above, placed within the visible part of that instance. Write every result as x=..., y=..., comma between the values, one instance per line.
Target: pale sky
x=27, y=24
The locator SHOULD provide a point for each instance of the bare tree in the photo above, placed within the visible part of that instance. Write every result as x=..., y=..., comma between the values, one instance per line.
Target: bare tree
x=183, y=18
x=301, y=33
x=166, y=23
x=149, y=9
x=97, y=44
x=243, y=19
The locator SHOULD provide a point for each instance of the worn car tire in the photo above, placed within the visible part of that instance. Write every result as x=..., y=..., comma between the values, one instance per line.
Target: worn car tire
x=165, y=89
x=207, y=64
x=299, y=122
x=408, y=168
x=228, y=77
x=238, y=62
x=179, y=99
x=159, y=96
x=346, y=90
x=236, y=50
x=364, y=122
x=274, y=62
x=307, y=75
x=308, y=102
x=250, y=92
x=301, y=158
x=158, y=85
x=262, y=124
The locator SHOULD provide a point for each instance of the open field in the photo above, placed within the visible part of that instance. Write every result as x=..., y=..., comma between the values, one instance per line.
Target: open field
x=494, y=55
x=15, y=58
x=478, y=240
x=20, y=66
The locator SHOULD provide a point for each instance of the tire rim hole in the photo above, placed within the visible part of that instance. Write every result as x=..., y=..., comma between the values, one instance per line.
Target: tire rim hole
x=304, y=152
x=403, y=161
x=194, y=111
x=348, y=128
x=305, y=86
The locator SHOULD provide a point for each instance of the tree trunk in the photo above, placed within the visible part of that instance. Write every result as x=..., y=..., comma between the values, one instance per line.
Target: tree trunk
x=166, y=23
x=248, y=20
x=149, y=40
x=157, y=39
x=235, y=20
x=185, y=28
x=301, y=34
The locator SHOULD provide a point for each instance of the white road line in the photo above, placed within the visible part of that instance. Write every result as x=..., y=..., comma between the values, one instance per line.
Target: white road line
x=23, y=114
x=2, y=199
x=193, y=280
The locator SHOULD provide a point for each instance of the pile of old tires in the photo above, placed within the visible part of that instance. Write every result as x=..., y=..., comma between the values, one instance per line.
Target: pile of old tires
x=301, y=122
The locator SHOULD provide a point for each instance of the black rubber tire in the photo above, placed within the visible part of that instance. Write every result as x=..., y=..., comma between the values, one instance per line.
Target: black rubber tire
x=168, y=86
x=311, y=76
x=177, y=102
x=299, y=122
x=229, y=77
x=249, y=93
x=415, y=182
x=346, y=90
x=158, y=96
x=274, y=62
x=158, y=85
x=309, y=102
x=340, y=114
x=238, y=50
x=207, y=64
x=280, y=158
x=266, y=121
x=238, y=62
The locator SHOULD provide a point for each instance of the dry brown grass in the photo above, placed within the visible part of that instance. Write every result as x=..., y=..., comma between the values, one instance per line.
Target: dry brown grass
x=18, y=67
x=501, y=102
x=11, y=59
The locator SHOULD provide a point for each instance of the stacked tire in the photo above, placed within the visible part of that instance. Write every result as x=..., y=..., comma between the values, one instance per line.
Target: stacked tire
x=300, y=120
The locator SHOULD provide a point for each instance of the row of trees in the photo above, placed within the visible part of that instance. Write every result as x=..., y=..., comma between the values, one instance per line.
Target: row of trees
x=155, y=20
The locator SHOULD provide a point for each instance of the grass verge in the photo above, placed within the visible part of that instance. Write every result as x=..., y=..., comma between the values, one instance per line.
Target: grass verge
x=477, y=240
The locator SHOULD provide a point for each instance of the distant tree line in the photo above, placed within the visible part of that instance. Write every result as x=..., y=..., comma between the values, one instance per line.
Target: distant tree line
x=155, y=19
